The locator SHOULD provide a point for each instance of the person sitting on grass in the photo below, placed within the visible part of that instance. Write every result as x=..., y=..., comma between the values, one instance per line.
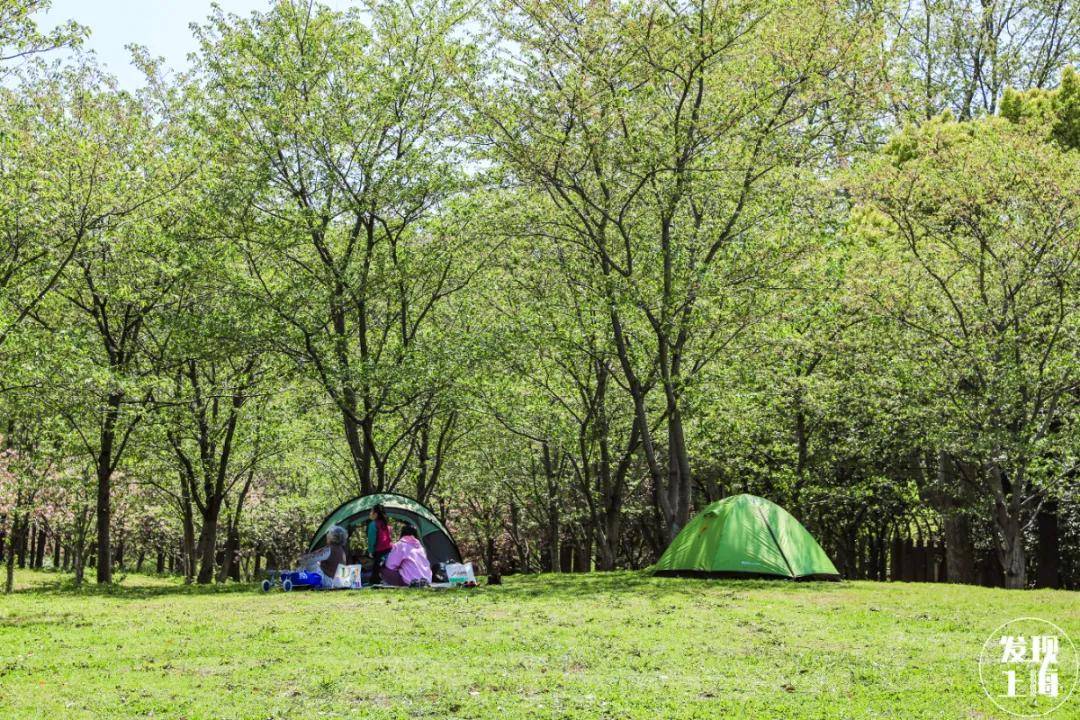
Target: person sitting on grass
x=407, y=564
x=324, y=562
x=378, y=540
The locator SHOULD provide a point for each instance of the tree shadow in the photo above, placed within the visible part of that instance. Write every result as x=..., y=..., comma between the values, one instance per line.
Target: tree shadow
x=548, y=586
x=140, y=588
x=575, y=586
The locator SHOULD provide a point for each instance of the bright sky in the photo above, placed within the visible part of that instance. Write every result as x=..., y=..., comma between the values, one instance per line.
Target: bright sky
x=160, y=25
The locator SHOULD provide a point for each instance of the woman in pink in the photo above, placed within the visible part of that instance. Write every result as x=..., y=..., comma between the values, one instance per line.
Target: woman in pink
x=407, y=563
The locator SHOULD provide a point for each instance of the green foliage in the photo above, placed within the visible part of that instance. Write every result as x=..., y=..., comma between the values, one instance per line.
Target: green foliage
x=20, y=37
x=564, y=270
x=1055, y=111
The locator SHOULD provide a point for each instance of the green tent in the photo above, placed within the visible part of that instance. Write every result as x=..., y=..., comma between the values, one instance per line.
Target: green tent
x=746, y=535
x=353, y=514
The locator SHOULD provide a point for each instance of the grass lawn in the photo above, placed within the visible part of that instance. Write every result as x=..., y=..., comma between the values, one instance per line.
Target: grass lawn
x=615, y=645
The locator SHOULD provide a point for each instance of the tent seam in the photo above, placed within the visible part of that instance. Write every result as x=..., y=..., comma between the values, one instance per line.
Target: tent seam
x=777, y=543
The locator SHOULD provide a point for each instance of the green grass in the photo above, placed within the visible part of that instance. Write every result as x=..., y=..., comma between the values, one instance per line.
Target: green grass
x=617, y=645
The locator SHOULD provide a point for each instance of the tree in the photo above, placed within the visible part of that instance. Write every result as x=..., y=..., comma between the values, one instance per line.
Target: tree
x=665, y=138
x=110, y=186
x=972, y=229
x=212, y=395
x=34, y=466
x=962, y=55
x=343, y=130
x=551, y=380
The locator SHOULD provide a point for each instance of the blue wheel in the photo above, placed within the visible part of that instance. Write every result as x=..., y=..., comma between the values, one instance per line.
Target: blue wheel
x=266, y=586
x=286, y=585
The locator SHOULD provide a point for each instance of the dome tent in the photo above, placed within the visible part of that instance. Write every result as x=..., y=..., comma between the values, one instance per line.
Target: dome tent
x=438, y=543
x=745, y=535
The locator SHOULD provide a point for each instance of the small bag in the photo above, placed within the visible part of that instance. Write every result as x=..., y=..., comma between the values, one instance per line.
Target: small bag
x=348, y=576
x=460, y=573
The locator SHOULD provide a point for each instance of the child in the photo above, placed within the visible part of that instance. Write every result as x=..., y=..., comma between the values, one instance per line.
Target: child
x=378, y=539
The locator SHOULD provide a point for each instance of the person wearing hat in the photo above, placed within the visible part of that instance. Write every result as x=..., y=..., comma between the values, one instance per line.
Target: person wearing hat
x=321, y=565
x=407, y=564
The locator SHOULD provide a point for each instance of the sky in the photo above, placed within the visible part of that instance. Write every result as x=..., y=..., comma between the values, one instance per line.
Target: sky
x=160, y=25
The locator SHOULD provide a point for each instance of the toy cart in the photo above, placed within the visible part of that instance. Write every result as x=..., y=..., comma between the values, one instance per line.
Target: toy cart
x=289, y=581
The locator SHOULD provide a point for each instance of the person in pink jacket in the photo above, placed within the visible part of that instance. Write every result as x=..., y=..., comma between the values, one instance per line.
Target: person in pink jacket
x=407, y=563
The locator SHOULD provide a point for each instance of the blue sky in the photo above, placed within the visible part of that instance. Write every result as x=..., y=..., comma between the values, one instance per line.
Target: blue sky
x=160, y=25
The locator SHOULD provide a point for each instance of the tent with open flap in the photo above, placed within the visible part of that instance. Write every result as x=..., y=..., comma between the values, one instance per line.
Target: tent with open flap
x=438, y=543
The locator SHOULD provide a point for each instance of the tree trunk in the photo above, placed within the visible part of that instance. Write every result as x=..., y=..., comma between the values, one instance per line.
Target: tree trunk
x=677, y=511
x=959, y=546
x=234, y=567
x=232, y=547
x=583, y=553
x=1049, y=546
x=802, y=457
x=1010, y=550
x=489, y=555
x=554, y=561
x=32, y=540
x=39, y=556
x=1009, y=531
x=104, y=468
x=515, y=534
x=607, y=543
x=553, y=516
x=79, y=547
x=208, y=544
x=361, y=458
x=638, y=394
x=230, y=565
x=187, y=542
x=9, y=582
x=566, y=558
x=21, y=542
x=607, y=532
x=1013, y=560
x=959, y=549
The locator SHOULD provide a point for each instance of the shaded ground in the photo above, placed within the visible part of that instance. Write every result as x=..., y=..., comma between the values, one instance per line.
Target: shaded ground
x=615, y=645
